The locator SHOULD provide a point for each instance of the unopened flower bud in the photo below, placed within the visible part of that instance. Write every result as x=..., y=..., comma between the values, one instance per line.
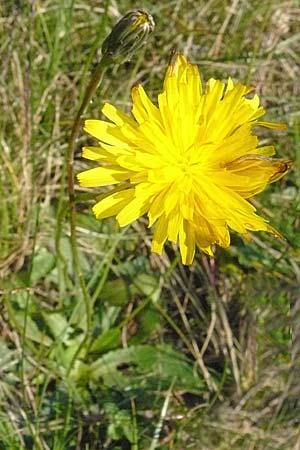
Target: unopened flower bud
x=127, y=36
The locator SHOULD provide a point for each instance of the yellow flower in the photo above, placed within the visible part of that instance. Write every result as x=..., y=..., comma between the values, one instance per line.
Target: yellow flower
x=191, y=163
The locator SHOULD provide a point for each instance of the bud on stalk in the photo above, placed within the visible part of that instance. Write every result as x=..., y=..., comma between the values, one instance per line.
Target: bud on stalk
x=127, y=36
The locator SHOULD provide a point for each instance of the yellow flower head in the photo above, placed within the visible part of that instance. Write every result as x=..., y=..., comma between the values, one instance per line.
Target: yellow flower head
x=189, y=163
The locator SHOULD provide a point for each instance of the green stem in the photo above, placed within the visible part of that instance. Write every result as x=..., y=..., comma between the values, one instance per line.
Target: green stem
x=76, y=128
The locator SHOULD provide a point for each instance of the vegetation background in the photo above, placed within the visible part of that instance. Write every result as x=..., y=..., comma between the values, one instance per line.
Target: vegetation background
x=203, y=357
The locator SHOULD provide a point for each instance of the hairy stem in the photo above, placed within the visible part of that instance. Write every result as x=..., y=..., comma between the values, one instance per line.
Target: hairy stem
x=94, y=83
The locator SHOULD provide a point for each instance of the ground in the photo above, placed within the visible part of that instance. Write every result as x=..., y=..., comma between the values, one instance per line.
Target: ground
x=163, y=356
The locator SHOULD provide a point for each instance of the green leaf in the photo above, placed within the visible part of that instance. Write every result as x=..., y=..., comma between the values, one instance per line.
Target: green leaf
x=145, y=284
x=108, y=340
x=159, y=363
x=115, y=292
x=32, y=331
x=148, y=321
x=58, y=325
x=43, y=264
x=120, y=423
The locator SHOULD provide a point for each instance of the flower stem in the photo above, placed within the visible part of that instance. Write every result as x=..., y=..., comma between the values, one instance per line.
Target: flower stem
x=94, y=83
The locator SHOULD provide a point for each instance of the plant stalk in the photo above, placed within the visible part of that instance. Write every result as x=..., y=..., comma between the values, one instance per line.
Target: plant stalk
x=96, y=80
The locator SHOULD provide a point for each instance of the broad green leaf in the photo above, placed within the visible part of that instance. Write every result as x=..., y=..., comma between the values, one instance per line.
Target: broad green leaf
x=43, y=264
x=58, y=325
x=115, y=292
x=107, y=340
x=32, y=331
x=145, y=284
x=148, y=321
x=161, y=362
x=120, y=422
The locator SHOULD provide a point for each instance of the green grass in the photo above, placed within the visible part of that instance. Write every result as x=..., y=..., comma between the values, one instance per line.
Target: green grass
x=178, y=358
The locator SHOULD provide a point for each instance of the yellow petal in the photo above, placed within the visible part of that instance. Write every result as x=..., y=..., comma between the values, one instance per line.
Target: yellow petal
x=174, y=224
x=160, y=235
x=187, y=243
x=113, y=203
x=116, y=116
x=106, y=132
x=273, y=125
x=136, y=208
x=96, y=153
x=102, y=176
x=143, y=109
